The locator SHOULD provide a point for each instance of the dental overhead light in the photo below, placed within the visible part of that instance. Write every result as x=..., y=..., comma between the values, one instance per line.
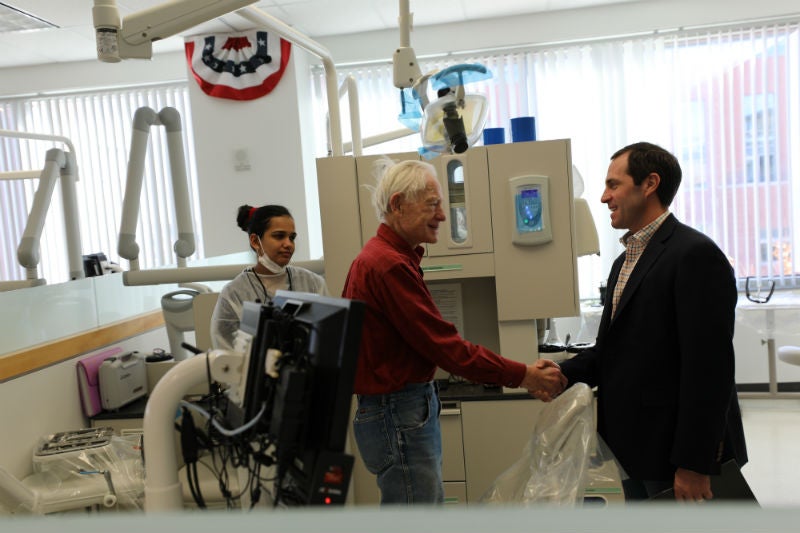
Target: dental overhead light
x=455, y=120
x=132, y=36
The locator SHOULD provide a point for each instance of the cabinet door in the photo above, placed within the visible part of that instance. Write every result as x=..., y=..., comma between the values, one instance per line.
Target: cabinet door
x=452, y=447
x=464, y=179
x=365, y=168
x=495, y=434
x=364, y=488
x=339, y=211
x=455, y=493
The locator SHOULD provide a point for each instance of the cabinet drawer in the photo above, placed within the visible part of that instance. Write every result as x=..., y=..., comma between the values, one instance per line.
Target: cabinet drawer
x=455, y=492
x=452, y=445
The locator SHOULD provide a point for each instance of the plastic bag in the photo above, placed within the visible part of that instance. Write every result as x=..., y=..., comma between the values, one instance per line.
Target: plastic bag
x=555, y=464
x=87, y=467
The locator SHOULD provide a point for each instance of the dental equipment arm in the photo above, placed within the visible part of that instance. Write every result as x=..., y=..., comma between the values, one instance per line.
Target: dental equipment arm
x=309, y=45
x=132, y=36
x=143, y=119
x=162, y=488
x=58, y=163
x=404, y=61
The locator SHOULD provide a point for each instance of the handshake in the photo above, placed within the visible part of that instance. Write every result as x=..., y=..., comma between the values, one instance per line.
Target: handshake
x=544, y=380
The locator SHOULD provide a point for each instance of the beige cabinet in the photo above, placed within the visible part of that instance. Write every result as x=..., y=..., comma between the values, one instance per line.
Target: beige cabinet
x=494, y=434
x=453, y=468
x=482, y=236
x=366, y=172
x=480, y=439
x=364, y=489
x=464, y=179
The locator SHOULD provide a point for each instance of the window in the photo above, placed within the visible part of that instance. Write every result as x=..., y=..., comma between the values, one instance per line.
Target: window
x=99, y=124
x=759, y=134
x=725, y=102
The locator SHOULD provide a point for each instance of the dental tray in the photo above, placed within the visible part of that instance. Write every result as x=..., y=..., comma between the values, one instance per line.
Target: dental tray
x=73, y=441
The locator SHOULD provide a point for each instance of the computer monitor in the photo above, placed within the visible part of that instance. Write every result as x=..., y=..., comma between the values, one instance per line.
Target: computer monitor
x=304, y=405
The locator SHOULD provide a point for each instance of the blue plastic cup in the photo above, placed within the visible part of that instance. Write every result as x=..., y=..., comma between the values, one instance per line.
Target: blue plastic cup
x=523, y=129
x=494, y=136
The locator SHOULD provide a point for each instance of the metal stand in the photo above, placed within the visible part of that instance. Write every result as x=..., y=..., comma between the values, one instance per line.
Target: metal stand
x=772, y=362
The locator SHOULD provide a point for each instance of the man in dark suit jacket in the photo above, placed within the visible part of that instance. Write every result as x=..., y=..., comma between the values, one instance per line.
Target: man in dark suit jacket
x=663, y=361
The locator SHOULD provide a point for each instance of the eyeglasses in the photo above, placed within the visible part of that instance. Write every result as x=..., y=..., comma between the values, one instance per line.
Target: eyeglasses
x=757, y=298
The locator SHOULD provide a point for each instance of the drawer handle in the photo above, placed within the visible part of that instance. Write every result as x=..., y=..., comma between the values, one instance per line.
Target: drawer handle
x=450, y=412
x=441, y=268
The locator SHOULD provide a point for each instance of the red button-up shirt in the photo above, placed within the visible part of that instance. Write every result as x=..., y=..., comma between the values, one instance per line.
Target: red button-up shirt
x=404, y=337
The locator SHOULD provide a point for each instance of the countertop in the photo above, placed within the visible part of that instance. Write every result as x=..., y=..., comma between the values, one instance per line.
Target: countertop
x=457, y=391
x=470, y=392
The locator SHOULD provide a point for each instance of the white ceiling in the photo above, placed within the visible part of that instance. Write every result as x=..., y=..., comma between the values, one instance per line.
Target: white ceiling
x=73, y=37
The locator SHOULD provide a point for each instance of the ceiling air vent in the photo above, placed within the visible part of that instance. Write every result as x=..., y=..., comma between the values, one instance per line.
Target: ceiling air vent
x=13, y=19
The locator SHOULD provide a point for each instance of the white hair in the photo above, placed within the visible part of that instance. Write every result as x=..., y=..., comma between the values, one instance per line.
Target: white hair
x=405, y=177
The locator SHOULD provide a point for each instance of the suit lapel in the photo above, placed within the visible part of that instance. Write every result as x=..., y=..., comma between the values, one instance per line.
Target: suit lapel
x=652, y=251
x=613, y=277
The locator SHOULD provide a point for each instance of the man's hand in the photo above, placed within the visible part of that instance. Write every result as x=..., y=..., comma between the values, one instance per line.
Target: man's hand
x=691, y=486
x=544, y=380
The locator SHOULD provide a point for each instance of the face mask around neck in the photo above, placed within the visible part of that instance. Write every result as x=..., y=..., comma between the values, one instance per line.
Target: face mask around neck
x=268, y=263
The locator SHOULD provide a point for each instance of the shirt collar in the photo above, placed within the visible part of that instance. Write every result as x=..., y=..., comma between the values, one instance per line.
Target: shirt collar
x=644, y=235
x=399, y=243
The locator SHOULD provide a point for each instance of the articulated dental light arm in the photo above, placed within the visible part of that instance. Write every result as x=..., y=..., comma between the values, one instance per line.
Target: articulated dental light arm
x=132, y=36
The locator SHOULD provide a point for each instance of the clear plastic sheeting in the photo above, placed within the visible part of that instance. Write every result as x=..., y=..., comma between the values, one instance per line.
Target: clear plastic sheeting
x=564, y=459
x=86, y=468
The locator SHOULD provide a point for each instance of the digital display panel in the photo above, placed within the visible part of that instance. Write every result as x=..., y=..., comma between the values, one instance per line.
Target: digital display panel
x=528, y=207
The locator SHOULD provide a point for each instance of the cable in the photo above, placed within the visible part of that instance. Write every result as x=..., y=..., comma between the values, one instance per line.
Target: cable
x=253, y=285
x=224, y=431
x=190, y=455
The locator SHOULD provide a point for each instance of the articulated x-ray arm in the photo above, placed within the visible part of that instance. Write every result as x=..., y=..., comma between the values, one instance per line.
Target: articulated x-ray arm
x=143, y=119
x=58, y=163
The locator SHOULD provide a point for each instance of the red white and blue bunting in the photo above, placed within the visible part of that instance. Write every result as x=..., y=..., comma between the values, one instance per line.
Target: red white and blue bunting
x=241, y=66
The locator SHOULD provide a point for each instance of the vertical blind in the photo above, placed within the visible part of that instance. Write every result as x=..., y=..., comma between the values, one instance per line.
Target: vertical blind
x=99, y=125
x=725, y=102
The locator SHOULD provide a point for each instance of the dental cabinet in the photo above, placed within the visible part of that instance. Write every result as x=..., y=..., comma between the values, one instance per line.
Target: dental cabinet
x=483, y=433
x=505, y=278
x=496, y=276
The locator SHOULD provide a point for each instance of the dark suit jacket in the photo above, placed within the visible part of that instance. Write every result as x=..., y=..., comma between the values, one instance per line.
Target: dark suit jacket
x=664, y=365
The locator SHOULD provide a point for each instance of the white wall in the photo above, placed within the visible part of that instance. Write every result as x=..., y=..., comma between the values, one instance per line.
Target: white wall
x=268, y=130
x=46, y=402
x=272, y=130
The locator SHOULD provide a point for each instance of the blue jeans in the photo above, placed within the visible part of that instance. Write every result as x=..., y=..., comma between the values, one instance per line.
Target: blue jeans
x=400, y=441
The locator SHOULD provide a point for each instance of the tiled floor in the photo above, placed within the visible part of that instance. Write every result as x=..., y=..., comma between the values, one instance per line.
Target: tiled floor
x=772, y=430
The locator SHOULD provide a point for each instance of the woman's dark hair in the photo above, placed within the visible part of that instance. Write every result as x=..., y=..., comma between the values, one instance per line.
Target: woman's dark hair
x=256, y=219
